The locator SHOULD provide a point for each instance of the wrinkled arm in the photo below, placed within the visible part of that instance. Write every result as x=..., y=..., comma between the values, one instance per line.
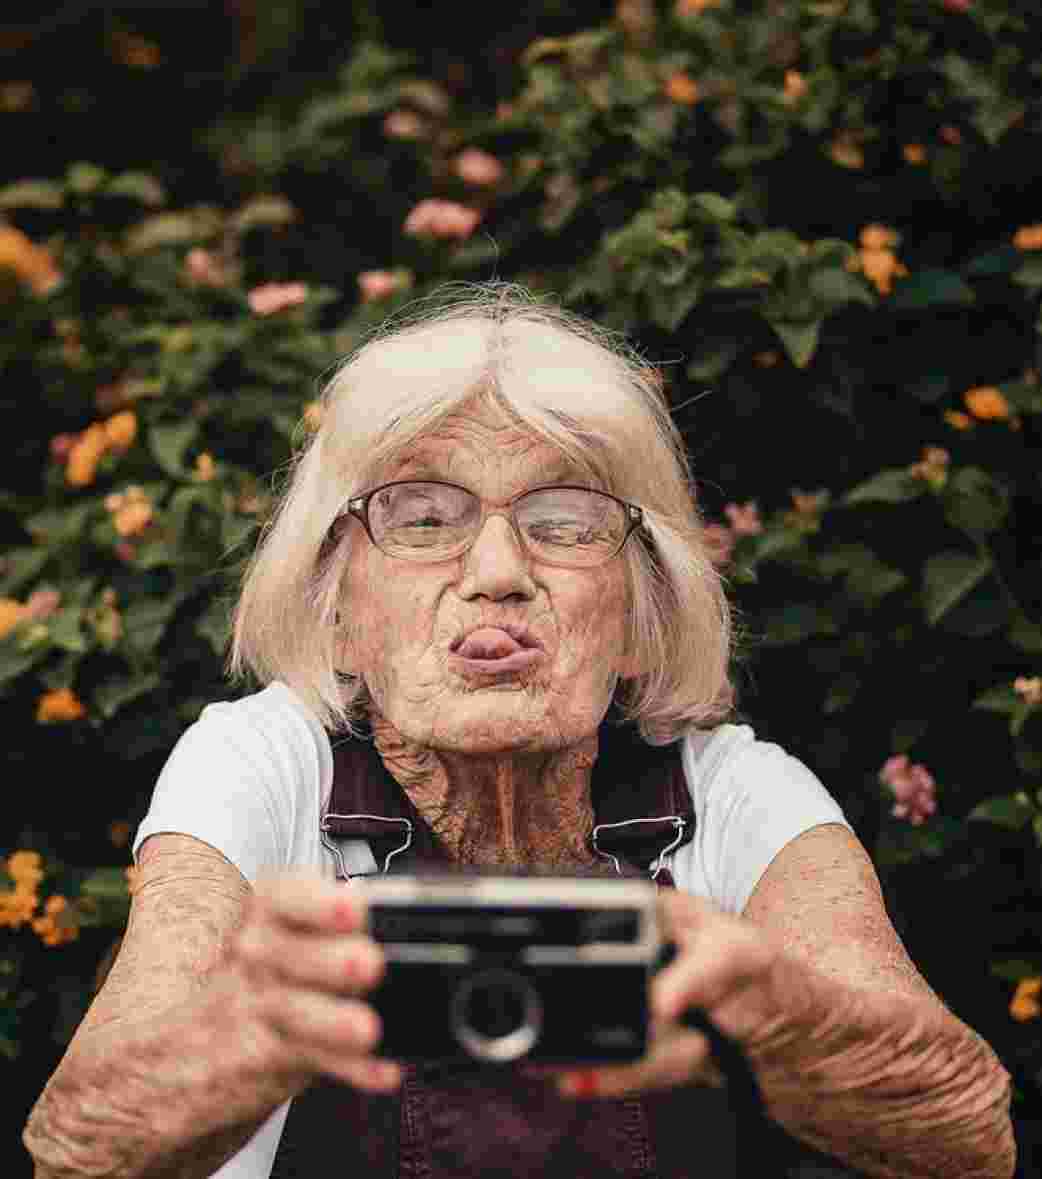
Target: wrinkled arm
x=156, y=1080
x=875, y=1070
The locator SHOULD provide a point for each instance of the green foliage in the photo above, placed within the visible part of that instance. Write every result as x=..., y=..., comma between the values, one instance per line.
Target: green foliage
x=807, y=212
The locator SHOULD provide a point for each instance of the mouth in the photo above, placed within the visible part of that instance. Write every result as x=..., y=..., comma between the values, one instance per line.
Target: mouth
x=497, y=649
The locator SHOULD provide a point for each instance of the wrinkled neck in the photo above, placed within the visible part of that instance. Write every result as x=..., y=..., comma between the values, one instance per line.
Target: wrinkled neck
x=515, y=808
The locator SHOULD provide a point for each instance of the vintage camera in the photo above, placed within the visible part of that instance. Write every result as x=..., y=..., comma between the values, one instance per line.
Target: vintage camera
x=544, y=969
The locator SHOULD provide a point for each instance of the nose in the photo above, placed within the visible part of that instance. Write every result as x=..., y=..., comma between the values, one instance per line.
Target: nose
x=496, y=566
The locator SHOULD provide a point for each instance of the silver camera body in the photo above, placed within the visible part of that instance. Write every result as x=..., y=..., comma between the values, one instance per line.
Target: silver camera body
x=499, y=968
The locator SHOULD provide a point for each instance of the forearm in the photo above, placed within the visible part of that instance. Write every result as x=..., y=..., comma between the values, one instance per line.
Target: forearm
x=171, y=1097
x=893, y=1085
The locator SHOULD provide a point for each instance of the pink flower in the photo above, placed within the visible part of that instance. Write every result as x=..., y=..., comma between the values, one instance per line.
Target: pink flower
x=402, y=124
x=475, y=166
x=126, y=551
x=913, y=787
x=719, y=542
x=445, y=219
x=204, y=269
x=60, y=446
x=273, y=297
x=1029, y=689
x=377, y=284
x=745, y=518
x=958, y=5
x=41, y=604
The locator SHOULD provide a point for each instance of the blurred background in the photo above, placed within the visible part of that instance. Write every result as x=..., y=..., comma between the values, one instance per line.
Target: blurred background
x=822, y=220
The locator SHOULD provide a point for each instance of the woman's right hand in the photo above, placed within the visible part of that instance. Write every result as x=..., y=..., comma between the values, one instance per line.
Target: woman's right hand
x=304, y=963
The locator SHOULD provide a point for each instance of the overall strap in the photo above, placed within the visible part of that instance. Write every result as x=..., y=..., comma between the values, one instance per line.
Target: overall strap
x=641, y=802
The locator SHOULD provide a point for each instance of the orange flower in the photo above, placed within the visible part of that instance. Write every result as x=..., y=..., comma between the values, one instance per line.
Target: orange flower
x=24, y=868
x=694, y=7
x=131, y=513
x=1029, y=689
x=31, y=263
x=682, y=88
x=881, y=267
x=846, y=151
x=313, y=412
x=205, y=467
x=987, y=403
x=1028, y=237
x=17, y=905
x=119, y=833
x=1025, y=1003
x=795, y=87
x=121, y=430
x=12, y=612
x=933, y=467
x=877, y=237
x=86, y=452
x=958, y=420
x=60, y=705
x=914, y=153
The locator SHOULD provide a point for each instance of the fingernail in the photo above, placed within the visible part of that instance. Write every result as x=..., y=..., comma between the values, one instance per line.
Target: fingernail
x=581, y=1083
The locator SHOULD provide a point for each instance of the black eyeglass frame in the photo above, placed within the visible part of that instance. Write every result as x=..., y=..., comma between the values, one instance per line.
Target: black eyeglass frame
x=358, y=506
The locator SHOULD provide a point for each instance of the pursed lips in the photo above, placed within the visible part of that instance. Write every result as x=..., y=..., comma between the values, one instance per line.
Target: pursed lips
x=499, y=647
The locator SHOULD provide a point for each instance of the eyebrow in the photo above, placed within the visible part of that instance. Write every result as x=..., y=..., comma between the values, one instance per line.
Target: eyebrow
x=563, y=471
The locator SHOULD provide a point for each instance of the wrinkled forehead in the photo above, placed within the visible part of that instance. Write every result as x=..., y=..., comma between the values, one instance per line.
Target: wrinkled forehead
x=485, y=443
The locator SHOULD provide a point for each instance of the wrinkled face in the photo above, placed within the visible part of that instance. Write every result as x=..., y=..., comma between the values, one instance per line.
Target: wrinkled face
x=406, y=620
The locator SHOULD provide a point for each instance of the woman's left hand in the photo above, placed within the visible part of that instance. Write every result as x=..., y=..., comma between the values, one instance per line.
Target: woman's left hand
x=726, y=967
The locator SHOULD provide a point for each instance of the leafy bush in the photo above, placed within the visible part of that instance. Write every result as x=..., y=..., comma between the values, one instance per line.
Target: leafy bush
x=819, y=218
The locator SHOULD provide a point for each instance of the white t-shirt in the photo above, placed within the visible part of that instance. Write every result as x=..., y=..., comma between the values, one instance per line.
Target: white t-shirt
x=252, y=777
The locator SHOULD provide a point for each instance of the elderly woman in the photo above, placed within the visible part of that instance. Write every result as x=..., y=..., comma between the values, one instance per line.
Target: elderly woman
x=487, y=624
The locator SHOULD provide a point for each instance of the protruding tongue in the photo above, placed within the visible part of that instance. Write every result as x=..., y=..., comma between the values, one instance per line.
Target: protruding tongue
x=488, y=643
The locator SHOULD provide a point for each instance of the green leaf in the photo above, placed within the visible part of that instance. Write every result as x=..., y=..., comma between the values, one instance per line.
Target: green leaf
x=168, y=442
x=931, y=288
x=21, y=565
x=1025, y=634
x=1004, y=260
x=83, y=178
x=32, y=194
x=1016, y=969
x=716, y=207
x=1029, y=272
x=894, y=485
x=800, y=339
x=947, y=578
x=265, y=211
x=1001, y=698
x=112, y=694
x=145, y=621
x=66, y=630
x=868, y=579
x=975, y=501
x=138, y=186
x=1012, y=811
x=215, y=625
x=835, y=287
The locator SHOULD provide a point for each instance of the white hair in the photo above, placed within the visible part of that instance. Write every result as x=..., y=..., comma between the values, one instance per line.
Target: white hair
x=573, y=384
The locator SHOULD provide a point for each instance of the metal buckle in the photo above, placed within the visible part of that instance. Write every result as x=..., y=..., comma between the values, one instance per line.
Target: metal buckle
x=677, y=822
x=335, y=849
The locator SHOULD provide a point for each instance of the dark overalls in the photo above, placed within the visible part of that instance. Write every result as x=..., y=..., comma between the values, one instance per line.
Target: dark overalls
x=459, y=1120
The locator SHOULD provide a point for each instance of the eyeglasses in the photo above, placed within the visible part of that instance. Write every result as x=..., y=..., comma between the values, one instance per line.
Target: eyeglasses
x=430, y=521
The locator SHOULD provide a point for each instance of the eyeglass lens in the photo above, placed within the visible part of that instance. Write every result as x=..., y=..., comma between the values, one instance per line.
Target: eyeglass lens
x=434, y=521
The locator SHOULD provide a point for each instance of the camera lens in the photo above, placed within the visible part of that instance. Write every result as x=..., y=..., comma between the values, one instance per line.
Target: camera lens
x=496, y=1015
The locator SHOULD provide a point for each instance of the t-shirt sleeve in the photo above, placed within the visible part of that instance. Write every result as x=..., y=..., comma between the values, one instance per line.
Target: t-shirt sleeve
x=231, y=781
x=760, y=799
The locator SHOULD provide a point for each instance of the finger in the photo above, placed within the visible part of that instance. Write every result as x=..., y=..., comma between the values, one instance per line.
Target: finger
x=349, y=964
x=313, y=1025
x=303, y=901
x=678, y=1059
x=370, y=1073
x=705, y=974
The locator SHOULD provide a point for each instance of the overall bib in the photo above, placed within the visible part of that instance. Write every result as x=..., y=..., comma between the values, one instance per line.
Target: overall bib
x=462, y=1120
